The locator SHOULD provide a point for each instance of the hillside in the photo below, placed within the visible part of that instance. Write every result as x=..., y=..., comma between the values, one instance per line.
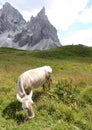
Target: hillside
x=67, y=52
x=68, y=104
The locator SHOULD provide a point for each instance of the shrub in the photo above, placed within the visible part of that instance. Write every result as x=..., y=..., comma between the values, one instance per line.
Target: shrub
x=66, y=91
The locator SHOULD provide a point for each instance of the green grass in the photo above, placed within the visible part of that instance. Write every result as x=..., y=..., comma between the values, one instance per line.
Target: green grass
x=68, y=104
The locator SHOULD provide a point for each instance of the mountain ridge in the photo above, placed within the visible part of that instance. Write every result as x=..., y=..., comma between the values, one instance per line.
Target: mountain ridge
x=15, y=32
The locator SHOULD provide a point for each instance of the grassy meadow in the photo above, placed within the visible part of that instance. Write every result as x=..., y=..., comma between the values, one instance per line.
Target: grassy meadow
x=66, y=106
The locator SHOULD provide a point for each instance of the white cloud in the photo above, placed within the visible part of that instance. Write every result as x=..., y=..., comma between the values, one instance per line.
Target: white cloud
x=85, y=16
x=79, y=37
x=65, y=12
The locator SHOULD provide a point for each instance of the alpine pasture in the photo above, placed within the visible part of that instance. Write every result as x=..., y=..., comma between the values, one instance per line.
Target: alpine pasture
x=66, y=106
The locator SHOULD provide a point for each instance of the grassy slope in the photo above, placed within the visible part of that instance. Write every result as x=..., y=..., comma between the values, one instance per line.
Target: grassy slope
x=54, y=110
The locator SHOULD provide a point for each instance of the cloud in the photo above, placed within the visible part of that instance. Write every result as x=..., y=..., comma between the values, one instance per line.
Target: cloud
x=64, y=13
x=79, y=37
x=85, y=16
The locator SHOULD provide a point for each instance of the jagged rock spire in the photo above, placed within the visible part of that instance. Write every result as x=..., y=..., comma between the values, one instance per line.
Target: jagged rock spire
x=42, y=28
x=12, y=19
x=42, y=12
x=38, y=33
x=7, y=5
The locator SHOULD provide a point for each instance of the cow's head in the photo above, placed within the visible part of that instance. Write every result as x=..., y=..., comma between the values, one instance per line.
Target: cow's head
x=48, y=69
x=27, y=103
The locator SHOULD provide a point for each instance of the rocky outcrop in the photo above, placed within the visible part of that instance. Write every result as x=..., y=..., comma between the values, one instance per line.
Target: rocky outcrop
x=10, y=19
x=23, y=38
x=37, y=34
x=42, y=29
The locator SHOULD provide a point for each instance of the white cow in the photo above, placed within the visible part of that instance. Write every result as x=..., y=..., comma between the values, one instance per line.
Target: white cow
x=27, y=81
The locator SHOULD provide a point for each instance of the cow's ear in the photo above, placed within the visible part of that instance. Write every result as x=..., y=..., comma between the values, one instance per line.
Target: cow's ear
x=19, y=98
x=30, y=95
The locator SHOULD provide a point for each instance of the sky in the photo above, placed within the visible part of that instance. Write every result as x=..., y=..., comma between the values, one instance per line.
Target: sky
x=71, y=18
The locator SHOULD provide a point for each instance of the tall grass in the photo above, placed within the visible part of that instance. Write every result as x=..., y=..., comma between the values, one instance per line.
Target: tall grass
x=66, y=106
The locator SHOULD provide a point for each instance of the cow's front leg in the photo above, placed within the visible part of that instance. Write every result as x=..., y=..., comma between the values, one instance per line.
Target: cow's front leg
x=43, y=86
x=49, y=82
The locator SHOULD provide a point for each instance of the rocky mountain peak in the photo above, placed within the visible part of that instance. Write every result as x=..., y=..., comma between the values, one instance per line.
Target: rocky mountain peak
x=42, y=13
x=12, y=19
x=41, y=16
x=7, y=5
x=37, y=34
x=42, y=29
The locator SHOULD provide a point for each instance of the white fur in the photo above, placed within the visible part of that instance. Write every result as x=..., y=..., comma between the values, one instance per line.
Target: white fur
x=27, y=81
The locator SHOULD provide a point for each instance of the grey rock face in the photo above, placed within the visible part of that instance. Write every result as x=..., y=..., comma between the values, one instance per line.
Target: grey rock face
x=23, y=38
x=15, y=32
x=10, y=18
x=42, y=29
